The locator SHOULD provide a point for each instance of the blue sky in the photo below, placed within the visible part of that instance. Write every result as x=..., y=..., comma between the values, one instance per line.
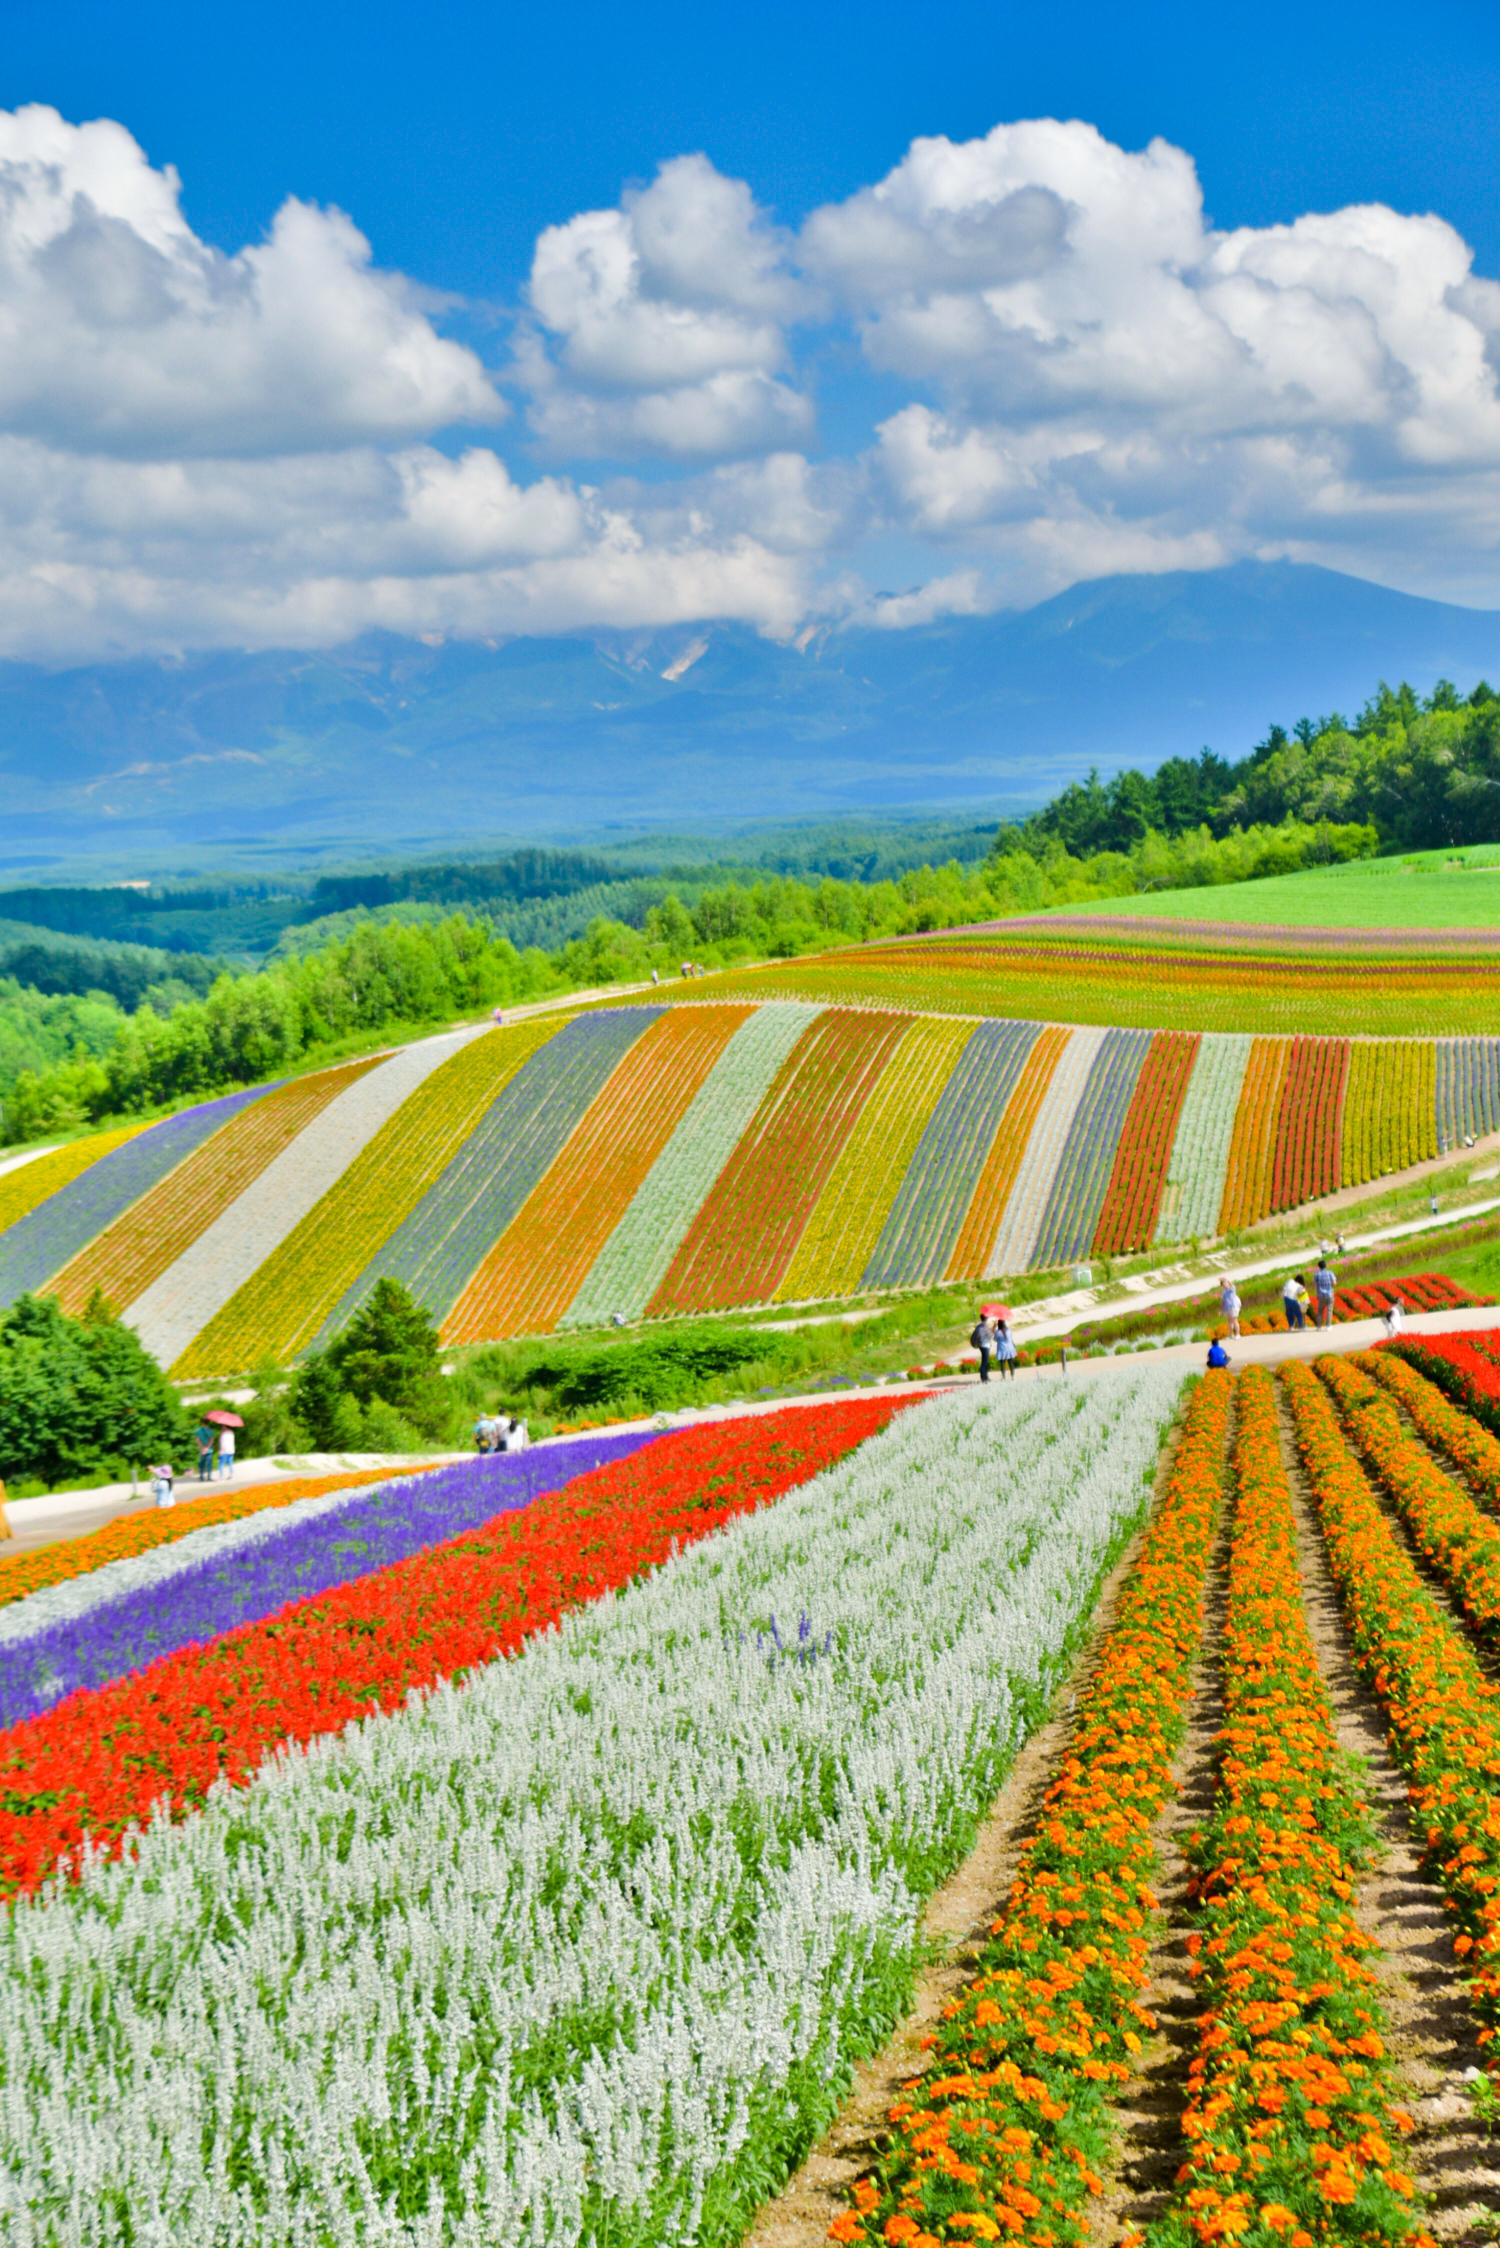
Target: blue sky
x=806, y=370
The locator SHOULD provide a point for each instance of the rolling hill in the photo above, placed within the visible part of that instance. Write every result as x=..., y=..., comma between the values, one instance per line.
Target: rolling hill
x=748, y=1144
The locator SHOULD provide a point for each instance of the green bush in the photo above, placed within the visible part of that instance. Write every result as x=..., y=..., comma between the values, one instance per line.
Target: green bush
x=82, y=1398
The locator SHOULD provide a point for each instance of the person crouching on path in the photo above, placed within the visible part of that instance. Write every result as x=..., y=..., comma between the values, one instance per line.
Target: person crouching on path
x=983, y=1340
x=1218, y=1356
x=1324, y=1285
x=161, y=1484
x=1005, y=1349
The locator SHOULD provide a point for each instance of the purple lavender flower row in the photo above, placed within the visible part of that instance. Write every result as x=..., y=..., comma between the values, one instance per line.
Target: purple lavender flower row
x=375, y=1530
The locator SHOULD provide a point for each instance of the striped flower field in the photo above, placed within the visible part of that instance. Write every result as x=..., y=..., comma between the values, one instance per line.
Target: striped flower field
x=666, y=1159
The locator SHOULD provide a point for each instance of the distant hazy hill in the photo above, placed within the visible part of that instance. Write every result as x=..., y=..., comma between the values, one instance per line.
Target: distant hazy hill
x=394, y=744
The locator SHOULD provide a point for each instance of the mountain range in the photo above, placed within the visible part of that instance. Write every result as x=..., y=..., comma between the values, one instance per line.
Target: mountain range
x=389, y=744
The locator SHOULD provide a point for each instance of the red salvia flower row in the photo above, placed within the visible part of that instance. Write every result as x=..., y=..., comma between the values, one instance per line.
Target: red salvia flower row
x=1310, y=1125
x=1463, y=1372
x=95, y=1765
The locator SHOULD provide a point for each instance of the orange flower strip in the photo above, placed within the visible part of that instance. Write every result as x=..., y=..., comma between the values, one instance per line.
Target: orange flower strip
x=748, y=1228
x=130, y=1534
x=1471, y=1448
x=152, y=1233
x=543, y=1257
x=1132, y=1201
x=1290, y=2123
x=1006, y=2134
x=1460, y=1541
x=1443, y=1712
x=1247, y=1182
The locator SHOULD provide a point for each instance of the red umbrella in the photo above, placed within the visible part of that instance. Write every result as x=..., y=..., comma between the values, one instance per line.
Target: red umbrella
x=995, y=1311
x=224, y=1420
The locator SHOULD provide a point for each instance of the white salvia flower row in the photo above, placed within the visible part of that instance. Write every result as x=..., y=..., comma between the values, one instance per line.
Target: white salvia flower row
x=1016, y=1240
x=575, y=1952
x=1205, y=1128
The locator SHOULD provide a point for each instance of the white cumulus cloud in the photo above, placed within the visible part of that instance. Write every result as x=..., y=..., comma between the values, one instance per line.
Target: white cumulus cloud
x=1079, y=373
x=660, y=327
x=120, y=331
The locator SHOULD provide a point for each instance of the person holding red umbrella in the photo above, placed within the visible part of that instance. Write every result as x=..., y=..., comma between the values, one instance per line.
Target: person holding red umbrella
x=226, y=1424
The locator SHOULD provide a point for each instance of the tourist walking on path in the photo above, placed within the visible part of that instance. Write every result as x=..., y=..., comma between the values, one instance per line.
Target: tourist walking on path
x=1323, y=1287
x=1293, y=1297
x=1005, y=1349
x=226, y=1454
x=1229, y=1304
x=983, y=1340
x=203, y=1436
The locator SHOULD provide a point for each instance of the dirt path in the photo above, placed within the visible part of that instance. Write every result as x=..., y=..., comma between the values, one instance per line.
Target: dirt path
x=1149, y=2148
x=1432, y=2030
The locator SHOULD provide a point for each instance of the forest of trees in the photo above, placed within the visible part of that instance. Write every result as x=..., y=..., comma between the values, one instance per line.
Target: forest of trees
x=1424, y=773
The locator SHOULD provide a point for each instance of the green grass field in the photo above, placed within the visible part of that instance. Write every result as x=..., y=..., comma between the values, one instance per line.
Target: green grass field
x=1428, y=890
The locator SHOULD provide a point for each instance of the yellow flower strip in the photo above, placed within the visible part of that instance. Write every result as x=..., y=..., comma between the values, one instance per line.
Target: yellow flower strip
x=1443, y=1712
x=1390, y=1108
x=31, y=1183
x=841, y=1234
x=129, y=1534
x=281, y=1307
x=1006, y=2134
x=1460, y=1541
x=1471, y=1448
x=977, y=1235
x=127, y=1256
x=1290, y=2120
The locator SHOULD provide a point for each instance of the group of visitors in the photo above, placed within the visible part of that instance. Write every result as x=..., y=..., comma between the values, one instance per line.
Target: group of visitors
x=215, y=1447
x=215, y=1451
x=993, y=1340
x=1296, y=1304
x=496, y=1432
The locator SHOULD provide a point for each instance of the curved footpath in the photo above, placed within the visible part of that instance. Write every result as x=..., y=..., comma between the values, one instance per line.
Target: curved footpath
x=70, y=1514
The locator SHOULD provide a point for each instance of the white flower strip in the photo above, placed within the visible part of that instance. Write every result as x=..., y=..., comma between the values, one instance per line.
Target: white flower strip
x=633, y=1262
x=1016, y=1240
x=574, y=1953
x=1200, y=1152
x=181, y=1302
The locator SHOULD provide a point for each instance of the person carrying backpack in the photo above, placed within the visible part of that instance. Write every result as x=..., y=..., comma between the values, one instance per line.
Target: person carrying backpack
x=983, y=1340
